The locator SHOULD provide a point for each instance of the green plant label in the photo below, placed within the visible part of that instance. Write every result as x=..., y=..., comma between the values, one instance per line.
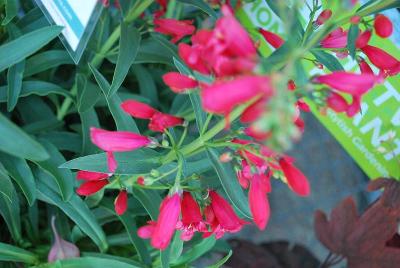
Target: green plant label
x=372, y=137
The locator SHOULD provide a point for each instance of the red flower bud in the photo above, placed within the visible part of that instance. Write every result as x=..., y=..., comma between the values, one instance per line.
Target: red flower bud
x=91, y=187
x=121, y=202
x=295, y=178
x=272, y=38
x=324, y=16
x=383, y=26
x=179, y=82
x=177, y=29
x=363, y=39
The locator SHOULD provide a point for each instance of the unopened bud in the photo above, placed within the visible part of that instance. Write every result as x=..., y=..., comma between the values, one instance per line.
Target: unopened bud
x=225, y=157
x=61, y=249
x=165, y=143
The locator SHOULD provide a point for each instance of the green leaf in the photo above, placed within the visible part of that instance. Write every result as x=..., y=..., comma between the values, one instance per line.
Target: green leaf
x=7, y=187
x=129, y=163
x=176, y=247
x=24, y=46
x=229, y=182
x=63, y=177
x=128, y=47
x=147, y=85
x=327, y=60
x=46, y=61
x=16, y=254
x=151, y=51
x=88, y=93
x=16, y=142
x=221, y=261
x=74, y=208
x=130, y=226
x=164, y=42
x=58, y=138
x=88, y=262
x=14, y=75
x=351, y=39
x=196, y=251
x=14, y=81
x=10, y=212
x=122, y=120
x=39, y=88
x=19, y=170
x=149, y=199
x=112, y=257
x=201, y=5
x=11, y=11
x=89, y=119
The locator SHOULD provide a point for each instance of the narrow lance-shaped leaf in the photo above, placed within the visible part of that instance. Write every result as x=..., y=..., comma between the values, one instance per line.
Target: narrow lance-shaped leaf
x=24, y=46
x=7, y=187
x=39, y=88
x=74, y=208
x=201, y=5
x=9, y=210
x=131, y=229
x=88, y=262
x=229, y=182
x=63, y=177
x=122, y=120
x=14, y=75
x=196, y=251
x=15, y=254
x=327, y=60
x=19, y=170
x=147, y=85
x=11, y=10
x=351, y=39
x=128, y=47
x=16, y=142
x=46, y=60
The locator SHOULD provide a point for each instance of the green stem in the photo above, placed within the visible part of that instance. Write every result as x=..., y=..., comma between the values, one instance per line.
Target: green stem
x=200, y=141
x=208, y=120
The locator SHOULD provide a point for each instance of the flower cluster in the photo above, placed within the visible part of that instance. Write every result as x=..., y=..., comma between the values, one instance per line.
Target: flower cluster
x=226, y=71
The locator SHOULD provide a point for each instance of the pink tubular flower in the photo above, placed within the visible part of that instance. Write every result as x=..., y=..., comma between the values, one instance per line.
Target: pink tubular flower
x=138, y=109
x=295, y=178
x=256, y=134
x=175, y=28
x=259, y=205
x=192, y=220
x=383, y=26
x=121, y=202
x=388, y=64
x=254, y=111
x=162, y=231
x=91, y=187
x=192, y=56
x=118, y=141
x=364, y=67
x=179, y=82
x=336, y=102
x=354, y=84
x=160, y=122
x=222, y=97
x=91, y=176
x=235, y=40
x=336, y=39
x=323, y=17
x=221, y=217
x=363, y=39
x=272, y=38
